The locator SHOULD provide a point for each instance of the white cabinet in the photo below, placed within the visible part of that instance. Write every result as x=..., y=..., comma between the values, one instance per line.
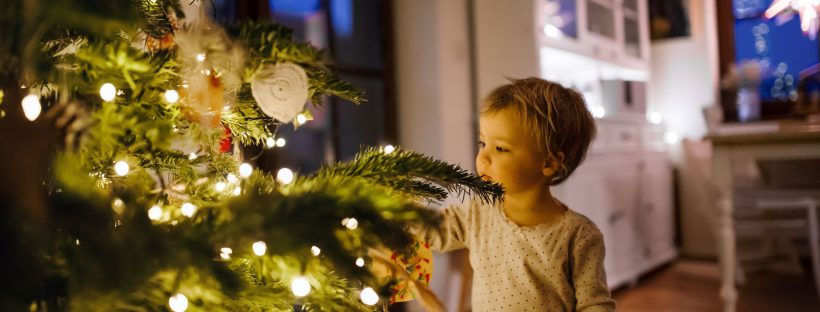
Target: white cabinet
x=625, y=187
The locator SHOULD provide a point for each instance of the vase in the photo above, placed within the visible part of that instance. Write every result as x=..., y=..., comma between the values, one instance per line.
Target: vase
x=748, y=104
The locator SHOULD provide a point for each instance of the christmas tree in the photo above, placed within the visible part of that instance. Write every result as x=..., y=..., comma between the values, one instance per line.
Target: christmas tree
x=124, y=188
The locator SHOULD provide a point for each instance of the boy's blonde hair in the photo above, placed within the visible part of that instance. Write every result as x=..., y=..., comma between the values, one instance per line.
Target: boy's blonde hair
x=558, y=117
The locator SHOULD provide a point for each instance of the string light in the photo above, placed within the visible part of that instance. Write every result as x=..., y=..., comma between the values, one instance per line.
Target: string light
x=245, y=170
x=200, y=57
x=270, y=142
x=188, y=209
x=350, y=223
x=359, y=262
x=369, y=296
x=232, y=178
x=598, y=111
x=315, y=250
x=155, y=213
x=178, y=303
x=108, y=92
x=172, y=96
x=121, y=168
x=118, y=205
x=389, y=149
x=192, y=156
x=280, y=142
x=655, y=118
x=237, y=191
x=77, y=242
x=284, y=176
x=301, y=119
x=670, y=137
x=31, y=107
x=220, y=186
x=259, y=248
x=300, y=286
x=225, y=253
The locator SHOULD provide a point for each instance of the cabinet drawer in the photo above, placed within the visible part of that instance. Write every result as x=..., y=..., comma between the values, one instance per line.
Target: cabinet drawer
x=618, y=137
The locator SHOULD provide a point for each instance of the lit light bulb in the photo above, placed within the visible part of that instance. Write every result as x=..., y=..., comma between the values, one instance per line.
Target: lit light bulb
x=369, y=296
x=284, y=176
x=315, y=250
x=108, y=92
x=237, y=191
x=389, y=149
x=77, y=241
x=270, y=142
x=200, y=57
x=225, y=253
x=655, y=118
x=232, y=178
x=300, y=286
x=598, y=111
x=301, y=119
x=178, y=303
x=118, y=205
x=359, y=262
x=172, y=96
x=350, y=223
x=670, y=137
x=121, y=168
x=192, y=156
x=155, y=213
x=31, y=107
x=259, y=248
x=280, y=142
x=188, y=209
x=220, y=186
x=245, y=170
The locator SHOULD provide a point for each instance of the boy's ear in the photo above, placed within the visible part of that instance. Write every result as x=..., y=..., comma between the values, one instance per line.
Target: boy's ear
x=552, y=163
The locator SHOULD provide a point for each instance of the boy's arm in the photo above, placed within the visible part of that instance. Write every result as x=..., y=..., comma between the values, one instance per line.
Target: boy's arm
x=451, y=234
x=588, y=276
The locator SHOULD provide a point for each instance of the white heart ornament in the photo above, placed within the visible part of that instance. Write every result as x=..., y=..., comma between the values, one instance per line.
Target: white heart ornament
x=280, y=90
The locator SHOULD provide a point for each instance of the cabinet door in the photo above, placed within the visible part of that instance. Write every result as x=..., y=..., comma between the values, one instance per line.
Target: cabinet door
x=656, y=208
x=605, y=189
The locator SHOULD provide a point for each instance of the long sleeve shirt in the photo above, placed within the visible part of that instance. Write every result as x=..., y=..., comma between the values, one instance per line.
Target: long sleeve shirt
x=547, y=267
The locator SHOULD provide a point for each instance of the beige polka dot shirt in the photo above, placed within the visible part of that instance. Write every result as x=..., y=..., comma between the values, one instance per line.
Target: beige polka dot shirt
x=548, y=267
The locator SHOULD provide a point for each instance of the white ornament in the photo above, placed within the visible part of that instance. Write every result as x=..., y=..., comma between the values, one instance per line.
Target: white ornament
x=281, y=90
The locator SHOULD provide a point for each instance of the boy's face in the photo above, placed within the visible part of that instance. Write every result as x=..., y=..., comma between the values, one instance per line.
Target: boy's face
x=508, y=154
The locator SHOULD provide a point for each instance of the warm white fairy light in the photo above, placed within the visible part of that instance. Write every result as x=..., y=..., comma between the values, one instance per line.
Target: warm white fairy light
x=284, y=176
x=389, y=149
x=188, y=209
x=220, y=186
x=301, y=119
x=192, y=156
x=245, y=170
x=359, y=262
x=259, y=248
x=350, y=223
x=315, y=250
x=237, y=191
x=118, y=205
x=369, y=296
x=270, y=142
x=807, y=9
x=108, y=92
x=280, y=142
x=232, y=178
x=77, y=242
x=31, y=107
x=598, y=111
x=155, y=213
x=225, y=253
x=121, y=168
x=300, y=286
x=200, y=57
x=178, y=303
x=655, y=118
x=172, y=96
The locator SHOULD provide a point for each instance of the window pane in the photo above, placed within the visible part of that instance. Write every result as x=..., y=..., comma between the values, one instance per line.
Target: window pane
x=358, y=33
x=365, y=123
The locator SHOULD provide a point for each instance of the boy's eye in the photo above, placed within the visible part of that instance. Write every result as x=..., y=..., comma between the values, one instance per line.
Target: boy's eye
x=501, y=149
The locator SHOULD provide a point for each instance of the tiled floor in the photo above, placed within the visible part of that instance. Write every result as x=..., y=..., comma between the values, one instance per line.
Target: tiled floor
x=692, y=285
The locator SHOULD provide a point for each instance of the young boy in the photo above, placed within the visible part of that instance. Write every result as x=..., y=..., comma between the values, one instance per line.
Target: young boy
x=529, y=252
